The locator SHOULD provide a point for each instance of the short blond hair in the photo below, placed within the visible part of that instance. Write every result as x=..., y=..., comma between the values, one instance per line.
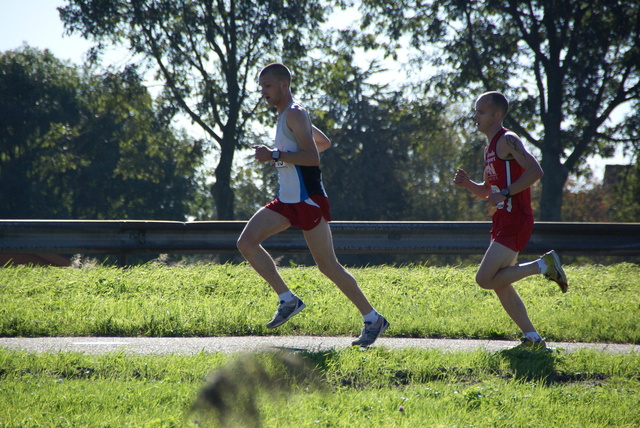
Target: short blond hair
x=280, y=71
x=498, y=100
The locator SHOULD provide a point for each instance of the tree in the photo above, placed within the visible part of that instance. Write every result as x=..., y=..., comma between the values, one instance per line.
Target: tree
x=37, y=108
x=142, y=166
x=624, y=194
x=74, y=144
x=566, y=65
x=207, y=54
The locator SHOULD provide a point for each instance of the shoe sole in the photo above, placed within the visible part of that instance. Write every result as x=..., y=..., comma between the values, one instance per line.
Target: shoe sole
x=564, y=286
x=295, y=312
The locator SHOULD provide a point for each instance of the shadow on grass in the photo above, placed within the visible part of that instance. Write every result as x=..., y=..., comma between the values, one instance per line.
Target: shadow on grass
x=533, y=365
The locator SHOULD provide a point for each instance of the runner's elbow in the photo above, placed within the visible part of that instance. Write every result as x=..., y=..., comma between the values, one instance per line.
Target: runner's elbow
x=314, y=159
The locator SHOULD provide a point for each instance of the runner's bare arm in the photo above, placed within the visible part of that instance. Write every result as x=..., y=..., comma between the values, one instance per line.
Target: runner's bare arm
x=309, y=138
x=322, y=141
x=307, y=155
x=511, y=147
x=461, y=179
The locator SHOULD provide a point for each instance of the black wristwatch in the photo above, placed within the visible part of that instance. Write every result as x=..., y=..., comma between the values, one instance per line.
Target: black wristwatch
x=275, y=155
x=505, y=192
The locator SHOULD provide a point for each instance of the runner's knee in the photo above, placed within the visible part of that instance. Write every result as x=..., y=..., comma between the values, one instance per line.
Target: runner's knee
x=484, y=281
x=240, y=244
x=329, y=267
x=244, y=244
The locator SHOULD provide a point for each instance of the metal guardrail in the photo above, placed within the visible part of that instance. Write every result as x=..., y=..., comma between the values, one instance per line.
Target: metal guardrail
x=125, y=237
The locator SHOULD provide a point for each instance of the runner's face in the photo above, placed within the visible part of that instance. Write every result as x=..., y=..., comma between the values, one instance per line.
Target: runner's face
x=272, y=89
x=486, y=116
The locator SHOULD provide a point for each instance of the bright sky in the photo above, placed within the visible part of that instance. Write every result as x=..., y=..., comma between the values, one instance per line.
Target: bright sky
x=37, y=23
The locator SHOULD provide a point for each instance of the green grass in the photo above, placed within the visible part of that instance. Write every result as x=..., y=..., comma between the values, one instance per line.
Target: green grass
x=217, y=300
x=342, y=388
x=352, y=388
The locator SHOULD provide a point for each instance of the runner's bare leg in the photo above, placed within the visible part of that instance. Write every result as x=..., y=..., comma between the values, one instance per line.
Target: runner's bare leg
x=320, y=244
x=263, y=224
x=497, y=272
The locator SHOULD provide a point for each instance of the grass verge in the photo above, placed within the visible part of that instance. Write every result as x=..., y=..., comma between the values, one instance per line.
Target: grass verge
x=218, y=300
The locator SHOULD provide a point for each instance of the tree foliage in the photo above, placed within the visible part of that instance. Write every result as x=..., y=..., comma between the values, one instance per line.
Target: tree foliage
x=566, y=65
x=207, y=54
x=78, y=145
x=625, y=194
x=38, y=108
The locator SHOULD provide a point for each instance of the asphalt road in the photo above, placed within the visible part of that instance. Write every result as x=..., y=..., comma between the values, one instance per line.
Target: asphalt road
x=194, y=345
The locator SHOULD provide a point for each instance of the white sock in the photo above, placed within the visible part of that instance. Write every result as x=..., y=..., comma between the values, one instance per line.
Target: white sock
x=533, y=336
x=370, y=317
x=542, y=265
x=287, y=296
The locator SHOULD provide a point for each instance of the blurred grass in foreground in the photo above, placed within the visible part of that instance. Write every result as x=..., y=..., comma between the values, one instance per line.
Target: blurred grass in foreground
x=342, y=388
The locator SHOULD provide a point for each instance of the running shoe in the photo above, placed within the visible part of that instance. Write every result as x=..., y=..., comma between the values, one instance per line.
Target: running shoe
x=526, y=343
x=285, y=311
x=554, y=271
x=371, y=331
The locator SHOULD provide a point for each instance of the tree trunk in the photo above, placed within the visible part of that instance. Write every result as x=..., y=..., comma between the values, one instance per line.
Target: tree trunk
x=221, y=190
x=555, y=176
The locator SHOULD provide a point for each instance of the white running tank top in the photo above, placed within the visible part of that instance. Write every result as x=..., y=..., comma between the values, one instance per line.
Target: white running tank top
x=296, y=183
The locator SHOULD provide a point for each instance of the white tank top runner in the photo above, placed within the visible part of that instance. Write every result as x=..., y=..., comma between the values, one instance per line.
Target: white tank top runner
x=296, y=183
